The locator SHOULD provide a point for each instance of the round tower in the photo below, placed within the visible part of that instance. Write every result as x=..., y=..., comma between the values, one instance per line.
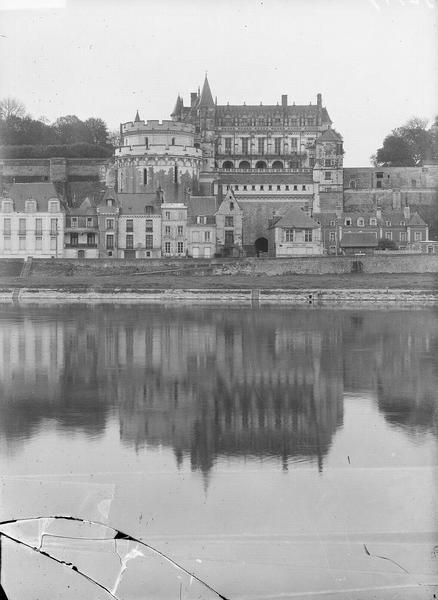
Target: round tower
x=158, y=155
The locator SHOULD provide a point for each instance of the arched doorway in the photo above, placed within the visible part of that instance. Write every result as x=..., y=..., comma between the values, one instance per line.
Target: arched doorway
x=244, y=164
x=277, y=164
x=261, y=164
x=228, y=165
x=261, y=245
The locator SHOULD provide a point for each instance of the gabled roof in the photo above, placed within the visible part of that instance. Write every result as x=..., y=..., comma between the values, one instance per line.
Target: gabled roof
x=330, y=135
x=206, y=99
x=41, y=192
x=201, y=206
x=297, y=218
x=87, y=207
x=134, y=204
x=359, y=240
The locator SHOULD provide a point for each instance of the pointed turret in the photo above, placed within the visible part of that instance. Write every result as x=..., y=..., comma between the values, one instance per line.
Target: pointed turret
x=137, y=118
x=178, y=106
x=206, y=95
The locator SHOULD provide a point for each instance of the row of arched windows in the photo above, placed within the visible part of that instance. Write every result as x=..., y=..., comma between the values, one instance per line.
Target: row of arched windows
x=244, y=164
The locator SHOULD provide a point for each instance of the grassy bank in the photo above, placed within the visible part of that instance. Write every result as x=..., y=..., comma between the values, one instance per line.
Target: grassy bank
x=426, y=281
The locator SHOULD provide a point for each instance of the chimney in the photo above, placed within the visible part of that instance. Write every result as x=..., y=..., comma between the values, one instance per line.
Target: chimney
x=284, y=100
x=319, y=100
x=193, y=98
x=407, y=212
x=379, y=213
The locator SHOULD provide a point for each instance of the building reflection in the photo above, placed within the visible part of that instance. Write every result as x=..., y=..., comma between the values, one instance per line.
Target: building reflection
x=212, y=382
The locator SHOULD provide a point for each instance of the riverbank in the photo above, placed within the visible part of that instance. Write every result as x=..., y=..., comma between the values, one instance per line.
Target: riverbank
x=251, y=296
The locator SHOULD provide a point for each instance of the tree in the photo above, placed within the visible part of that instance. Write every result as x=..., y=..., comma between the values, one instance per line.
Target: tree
x=11, y=107
x=71, y=130
x=407, y=146
x=385, y=244
x=97, y=130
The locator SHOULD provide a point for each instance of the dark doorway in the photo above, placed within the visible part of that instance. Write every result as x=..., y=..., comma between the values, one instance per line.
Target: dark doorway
x=261, y=245
x=81, y=254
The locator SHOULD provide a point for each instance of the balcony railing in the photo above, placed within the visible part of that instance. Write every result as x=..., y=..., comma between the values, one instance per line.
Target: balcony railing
x=67, y=245
x=306, y=170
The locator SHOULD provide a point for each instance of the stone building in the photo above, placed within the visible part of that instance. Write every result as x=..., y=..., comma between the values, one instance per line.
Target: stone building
x=283, y=153
x=32, y=222
x=81, y=233
x=294, y=233
x=229, y=227
x=156, y=155
x=139, y=227
x=201, y=226
x=173, y=229
x=108, y=222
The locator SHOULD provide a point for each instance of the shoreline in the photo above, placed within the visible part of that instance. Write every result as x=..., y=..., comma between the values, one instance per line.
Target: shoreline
x=248, y=296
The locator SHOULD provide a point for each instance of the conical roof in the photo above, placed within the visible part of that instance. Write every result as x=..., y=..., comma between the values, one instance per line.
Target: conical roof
x=206, y=95
x=137, y=118
x=178, y=105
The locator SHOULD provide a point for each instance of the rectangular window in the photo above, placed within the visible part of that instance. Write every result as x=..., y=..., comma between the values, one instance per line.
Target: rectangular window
x=21, y=226
x=38, y=226
x=110, y=241
x=167, y=230
x=74, y=239
x=229, y=238
x=403, y=236
x=388, y=235
x=145, y=174
x=22, y=243
x=379, y=175
x=261, y=145
x=418, y=236
x=308, y=235
x=167, y=215
x=146, y=143
x=53, y=226
x=110, y=223
x=7, y=206
x=130, y=225
x=277, y=145
x=347, y=222
x=89, y=222
x=244, y=145
x=91, y=239
x=167, y=248
x=149, y=225
x=206, y=236
x=148, y=210
x=53, y=206
x=30, y=206
x=228, y=145
x=332, y=236
x=328, y=162
x=180, y=247
x=149, y=241
x=180, y=230
x=294, y=143
x=38, y=243
x=328, y=175
x=288, y=234
x=129, y=241
x=229, y=221
x=378, y=184
x=74, y=222
x=7, y=226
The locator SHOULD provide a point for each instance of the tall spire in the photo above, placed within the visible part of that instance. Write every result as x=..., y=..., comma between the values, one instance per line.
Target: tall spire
x=206, y=95
x=137, y=118
x=178, y=105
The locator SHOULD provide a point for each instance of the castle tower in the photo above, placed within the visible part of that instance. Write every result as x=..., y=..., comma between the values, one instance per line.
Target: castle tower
x=328, y=172
x=155, y=155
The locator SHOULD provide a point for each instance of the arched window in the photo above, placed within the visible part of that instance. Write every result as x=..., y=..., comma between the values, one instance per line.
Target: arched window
x=244, y=164
x=352, y=184
x=277, y=164
x=261, y=164
x=360, y=222
x=228, y=165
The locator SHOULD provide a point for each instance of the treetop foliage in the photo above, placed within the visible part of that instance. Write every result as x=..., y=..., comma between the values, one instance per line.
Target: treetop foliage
x=409, y=145
x=22, y=136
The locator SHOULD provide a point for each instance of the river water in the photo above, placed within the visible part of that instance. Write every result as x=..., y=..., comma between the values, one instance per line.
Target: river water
x=271, y=452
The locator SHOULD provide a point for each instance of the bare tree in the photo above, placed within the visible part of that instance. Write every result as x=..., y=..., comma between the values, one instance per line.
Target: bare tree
x=11, y=107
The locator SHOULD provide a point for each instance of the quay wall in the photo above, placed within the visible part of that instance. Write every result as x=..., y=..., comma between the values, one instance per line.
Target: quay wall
x=309, y=265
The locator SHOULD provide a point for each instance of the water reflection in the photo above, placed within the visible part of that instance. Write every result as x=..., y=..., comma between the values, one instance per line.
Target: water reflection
x=213, y=382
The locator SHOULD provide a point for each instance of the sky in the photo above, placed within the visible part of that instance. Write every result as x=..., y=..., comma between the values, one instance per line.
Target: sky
x=375, y=62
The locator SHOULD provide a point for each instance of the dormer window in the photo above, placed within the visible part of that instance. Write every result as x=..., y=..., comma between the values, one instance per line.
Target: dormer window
x=347, y=221
x=402, y=223
x=54, y=206
x=388, y=223
x=7, y=206
x=360, y=222
x=373, y=221
x=332, y=223
x=30, y=206
x=110, y=202
x=74, y=222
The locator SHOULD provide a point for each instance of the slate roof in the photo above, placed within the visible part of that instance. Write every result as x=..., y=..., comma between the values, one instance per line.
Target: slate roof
x=206, y=96
x=297, y=218
x=330, y=135
x=134, y=204
x=359, y=240
x=41, y=192
x=87, y=207
x=201, y=206
x=325, y=218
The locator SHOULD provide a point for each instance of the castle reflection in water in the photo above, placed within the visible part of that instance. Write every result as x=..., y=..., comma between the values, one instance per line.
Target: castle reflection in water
x=213, y=382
